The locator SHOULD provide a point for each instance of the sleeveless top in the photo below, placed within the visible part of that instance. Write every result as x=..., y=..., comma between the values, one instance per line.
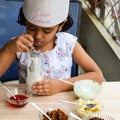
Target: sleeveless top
x=56, y=63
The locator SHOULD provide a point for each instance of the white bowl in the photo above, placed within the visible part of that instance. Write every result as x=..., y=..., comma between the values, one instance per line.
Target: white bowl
x=55, y=108
x=86, y=89
x=83, y=111
x=99, y=115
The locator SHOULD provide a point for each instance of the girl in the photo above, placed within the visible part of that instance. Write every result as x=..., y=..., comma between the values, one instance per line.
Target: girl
x=45, y=22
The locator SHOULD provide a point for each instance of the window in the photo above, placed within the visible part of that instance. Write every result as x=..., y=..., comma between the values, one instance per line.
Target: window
x=108, y=13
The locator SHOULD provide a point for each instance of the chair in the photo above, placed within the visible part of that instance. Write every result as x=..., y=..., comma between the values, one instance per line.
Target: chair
x=76, y=11
x=10, y=28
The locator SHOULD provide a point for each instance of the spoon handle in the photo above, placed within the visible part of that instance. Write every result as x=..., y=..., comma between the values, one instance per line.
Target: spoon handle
x=7, y=89
x=65, y=81
x=64, y=101
x=38, y=108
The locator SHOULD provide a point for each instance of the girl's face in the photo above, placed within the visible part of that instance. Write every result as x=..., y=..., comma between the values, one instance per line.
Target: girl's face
x=44, y=37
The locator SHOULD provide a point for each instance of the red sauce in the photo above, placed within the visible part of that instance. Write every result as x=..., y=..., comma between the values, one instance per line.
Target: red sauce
x=19, y=101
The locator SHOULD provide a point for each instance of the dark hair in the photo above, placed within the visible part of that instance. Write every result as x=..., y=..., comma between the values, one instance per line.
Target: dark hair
x=21, y=20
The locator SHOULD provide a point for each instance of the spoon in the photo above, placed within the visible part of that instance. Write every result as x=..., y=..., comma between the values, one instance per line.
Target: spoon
x=39, y=109
x=69, y=102
x=90, y=105
x=75, y=116
x=31, y=52
x=65, y=81
x=7, y=89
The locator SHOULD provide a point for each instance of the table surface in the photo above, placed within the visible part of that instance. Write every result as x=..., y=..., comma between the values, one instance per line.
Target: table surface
x=109, y=95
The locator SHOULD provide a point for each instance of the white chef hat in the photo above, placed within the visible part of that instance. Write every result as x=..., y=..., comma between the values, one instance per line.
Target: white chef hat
x=46, y=13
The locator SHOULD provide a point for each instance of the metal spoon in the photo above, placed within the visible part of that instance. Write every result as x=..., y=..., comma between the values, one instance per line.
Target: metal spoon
x=38, y=108
x=31, y=52
x=7, y=89
x=75, y=116
x=90, y=105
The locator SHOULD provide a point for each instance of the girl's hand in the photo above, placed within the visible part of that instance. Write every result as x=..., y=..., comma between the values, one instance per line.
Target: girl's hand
x=48, y=87
x=23, y=43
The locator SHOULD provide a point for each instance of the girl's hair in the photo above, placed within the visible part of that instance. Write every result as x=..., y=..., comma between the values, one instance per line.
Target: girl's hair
x=21, y=20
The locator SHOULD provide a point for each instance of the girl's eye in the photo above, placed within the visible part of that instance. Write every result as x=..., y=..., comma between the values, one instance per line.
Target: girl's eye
x=32, y=28
x=47, y=31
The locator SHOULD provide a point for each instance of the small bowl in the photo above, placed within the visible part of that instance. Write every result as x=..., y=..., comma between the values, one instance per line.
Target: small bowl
x=21, y=94
x=99, y=115
x=84, y=111
x=54, y=111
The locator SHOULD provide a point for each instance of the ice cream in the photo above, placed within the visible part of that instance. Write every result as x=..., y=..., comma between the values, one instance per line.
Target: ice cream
x=87, y=89
x=83, y=110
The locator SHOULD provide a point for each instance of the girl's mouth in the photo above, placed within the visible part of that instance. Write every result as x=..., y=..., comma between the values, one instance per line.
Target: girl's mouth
x=37, y=43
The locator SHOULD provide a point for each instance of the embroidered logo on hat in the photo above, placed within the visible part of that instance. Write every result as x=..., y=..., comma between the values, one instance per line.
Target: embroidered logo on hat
x=46, y=13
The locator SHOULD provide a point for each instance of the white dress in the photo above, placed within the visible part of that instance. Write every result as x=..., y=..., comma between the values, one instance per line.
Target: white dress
x=56, y=63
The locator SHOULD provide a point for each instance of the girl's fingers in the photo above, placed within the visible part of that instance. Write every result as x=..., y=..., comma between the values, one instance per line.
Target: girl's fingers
x=29, y=37
x=44, y=92
x=27, y=40
x=22, y=48
x=24, y=42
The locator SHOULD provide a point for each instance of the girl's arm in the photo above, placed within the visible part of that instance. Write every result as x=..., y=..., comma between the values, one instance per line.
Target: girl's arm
x=91, y=69
x=7, y=57
x=23, y=43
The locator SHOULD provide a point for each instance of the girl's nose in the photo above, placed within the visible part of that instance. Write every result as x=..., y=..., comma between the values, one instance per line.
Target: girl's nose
x=38, y=35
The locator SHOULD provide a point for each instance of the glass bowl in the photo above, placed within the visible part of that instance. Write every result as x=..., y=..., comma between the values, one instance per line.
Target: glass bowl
x=93, y=107
x=21, y=94
x=101, y=116
x=86, y=89
x=56, y=112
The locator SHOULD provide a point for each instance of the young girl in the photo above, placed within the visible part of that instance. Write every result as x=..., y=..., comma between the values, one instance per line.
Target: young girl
x=45, y=20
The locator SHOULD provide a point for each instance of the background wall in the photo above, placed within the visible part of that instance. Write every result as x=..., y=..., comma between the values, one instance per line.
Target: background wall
x=98, y=48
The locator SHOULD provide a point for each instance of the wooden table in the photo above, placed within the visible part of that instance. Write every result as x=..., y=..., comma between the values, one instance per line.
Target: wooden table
x=109, y=96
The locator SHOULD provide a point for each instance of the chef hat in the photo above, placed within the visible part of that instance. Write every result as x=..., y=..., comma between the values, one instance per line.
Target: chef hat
x=46, y=13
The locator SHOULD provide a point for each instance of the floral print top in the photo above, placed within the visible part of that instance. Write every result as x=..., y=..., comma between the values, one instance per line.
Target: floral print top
x=56, y=63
